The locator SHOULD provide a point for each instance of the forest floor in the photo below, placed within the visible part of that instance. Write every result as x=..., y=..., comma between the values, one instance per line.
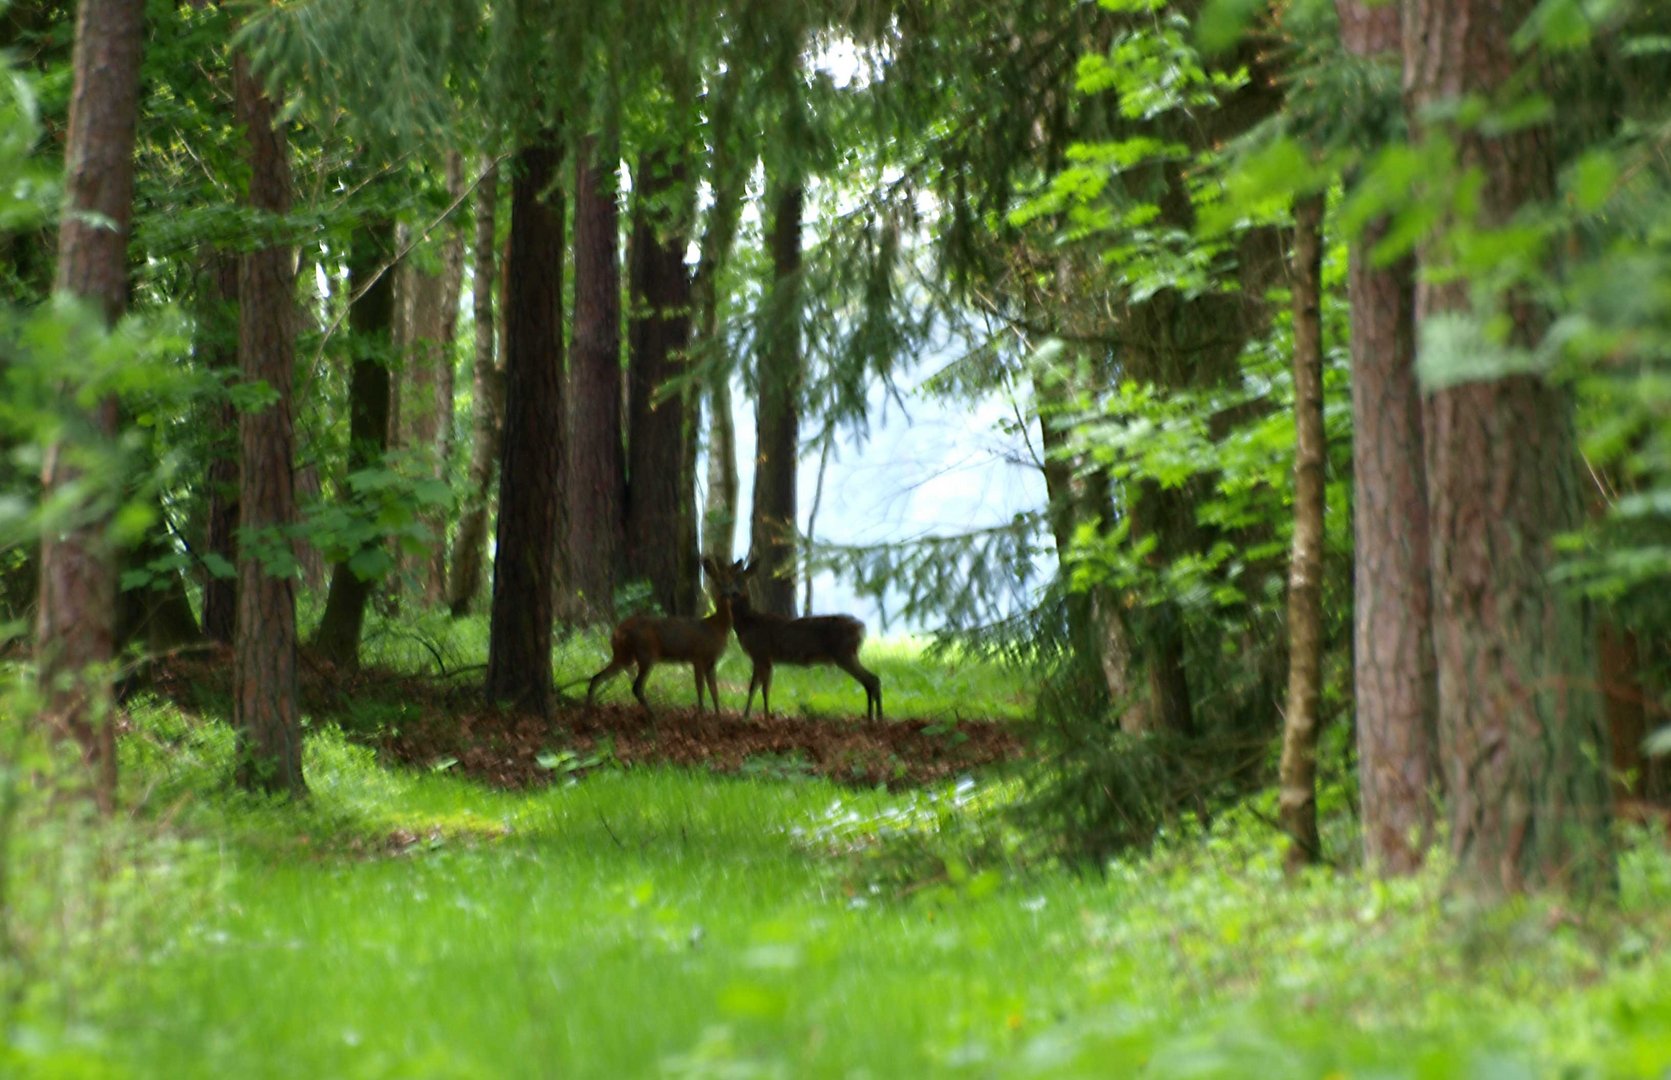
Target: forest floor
x=425, y=722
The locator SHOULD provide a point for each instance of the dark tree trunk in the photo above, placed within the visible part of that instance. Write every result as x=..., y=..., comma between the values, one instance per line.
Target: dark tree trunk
x=370, y=324
x=519, y=646
x=658, y=332
x=597, y=480
x=1394, y=682
x=73, y=631
x=1298, y=771
x=1520, y=728
x=778, y=410
x=220, y=353
x=265, y=710
x=469, y=550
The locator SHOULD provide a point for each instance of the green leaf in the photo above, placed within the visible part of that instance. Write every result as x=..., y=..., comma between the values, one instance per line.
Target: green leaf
x=1590, y=183
x=1222, y=23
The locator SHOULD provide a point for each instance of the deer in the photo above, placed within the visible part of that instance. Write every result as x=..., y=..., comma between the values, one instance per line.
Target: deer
x=776, y=639
x=646, y=640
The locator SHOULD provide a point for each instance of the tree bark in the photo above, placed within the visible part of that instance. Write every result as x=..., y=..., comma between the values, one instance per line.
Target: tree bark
x=429, y=314
x=1520, y=728
x=265, y=706
x=469, y=549
x=446, y=389
x=220, y=353
x=657, y=336
x=726, y=178
x=1298, y=770
x=597, y=481
x=778, y=409
x=1394, y=681
x=519, y=646
x=370, y=324
x=73, y=630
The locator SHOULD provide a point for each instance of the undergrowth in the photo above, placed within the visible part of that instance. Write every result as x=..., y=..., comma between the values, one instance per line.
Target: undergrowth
x=657, y=921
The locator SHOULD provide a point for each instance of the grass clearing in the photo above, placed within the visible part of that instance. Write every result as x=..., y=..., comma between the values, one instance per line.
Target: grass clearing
x=656, y=921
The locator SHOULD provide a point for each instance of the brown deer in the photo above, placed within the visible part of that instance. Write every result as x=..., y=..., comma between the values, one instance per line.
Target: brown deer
x=646, y=640
x=775, y=639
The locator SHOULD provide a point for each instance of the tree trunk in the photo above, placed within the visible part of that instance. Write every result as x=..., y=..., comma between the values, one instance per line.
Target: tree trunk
x=469, y=549
x=657, y=336
x=519, y=645
x=265, y=711
x=597, y=481
x=219, y=349
x=446, y=390
x=1298, y=771
x=370, y=324
x=726, y=179
x=1520, y=728
x=778, y=409
x=429, y=314
x=1394, y=681
x=73, y=631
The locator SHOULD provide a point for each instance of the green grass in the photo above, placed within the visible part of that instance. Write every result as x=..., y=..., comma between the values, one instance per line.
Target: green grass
x=664, y=923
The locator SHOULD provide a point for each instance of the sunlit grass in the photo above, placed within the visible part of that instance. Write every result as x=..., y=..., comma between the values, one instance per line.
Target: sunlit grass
x=659, y=922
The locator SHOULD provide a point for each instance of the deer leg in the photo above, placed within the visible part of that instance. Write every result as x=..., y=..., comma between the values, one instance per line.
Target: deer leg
x=753, y=681
x=713, y=689
x=603, y=676
x=766, y=688
x=868, y=680
x=644, y=667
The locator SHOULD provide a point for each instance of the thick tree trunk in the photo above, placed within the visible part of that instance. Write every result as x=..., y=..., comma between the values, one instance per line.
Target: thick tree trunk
x=370, y=323
x=265, y=707
x=1520, y=728
x=658, y=334
x=530, y=472
x=1394, y=681
x=219, y=350
x=1298, y=771
x=73, y=631
x=469, y=550
x=597, y=481
x=778, y=410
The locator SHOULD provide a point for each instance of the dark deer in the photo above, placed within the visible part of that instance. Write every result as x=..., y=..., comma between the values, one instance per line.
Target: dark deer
x=646, y=640
x=817, y=639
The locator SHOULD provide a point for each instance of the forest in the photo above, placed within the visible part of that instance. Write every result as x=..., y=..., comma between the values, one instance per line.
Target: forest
x=399, y=398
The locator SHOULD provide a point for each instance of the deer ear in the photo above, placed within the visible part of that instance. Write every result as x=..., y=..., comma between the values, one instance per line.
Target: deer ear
x=708, y=565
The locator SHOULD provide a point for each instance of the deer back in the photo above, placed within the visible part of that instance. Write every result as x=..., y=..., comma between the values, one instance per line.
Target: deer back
x=812, y=640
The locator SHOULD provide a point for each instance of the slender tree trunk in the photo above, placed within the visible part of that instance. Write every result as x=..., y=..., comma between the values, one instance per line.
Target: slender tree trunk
x=428, y=323
x=488, y=394
x=719, y=511
x=1520, y=728
x=452, y=287
x=597, y=482
x=726, y=179
x=1298, y=770
x=658, y=333
x=530, y=471
x=1394, y=678
x=73, y=631
x=778, y=409
x=265, y=706
x=220, y=353
x=370, y=322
